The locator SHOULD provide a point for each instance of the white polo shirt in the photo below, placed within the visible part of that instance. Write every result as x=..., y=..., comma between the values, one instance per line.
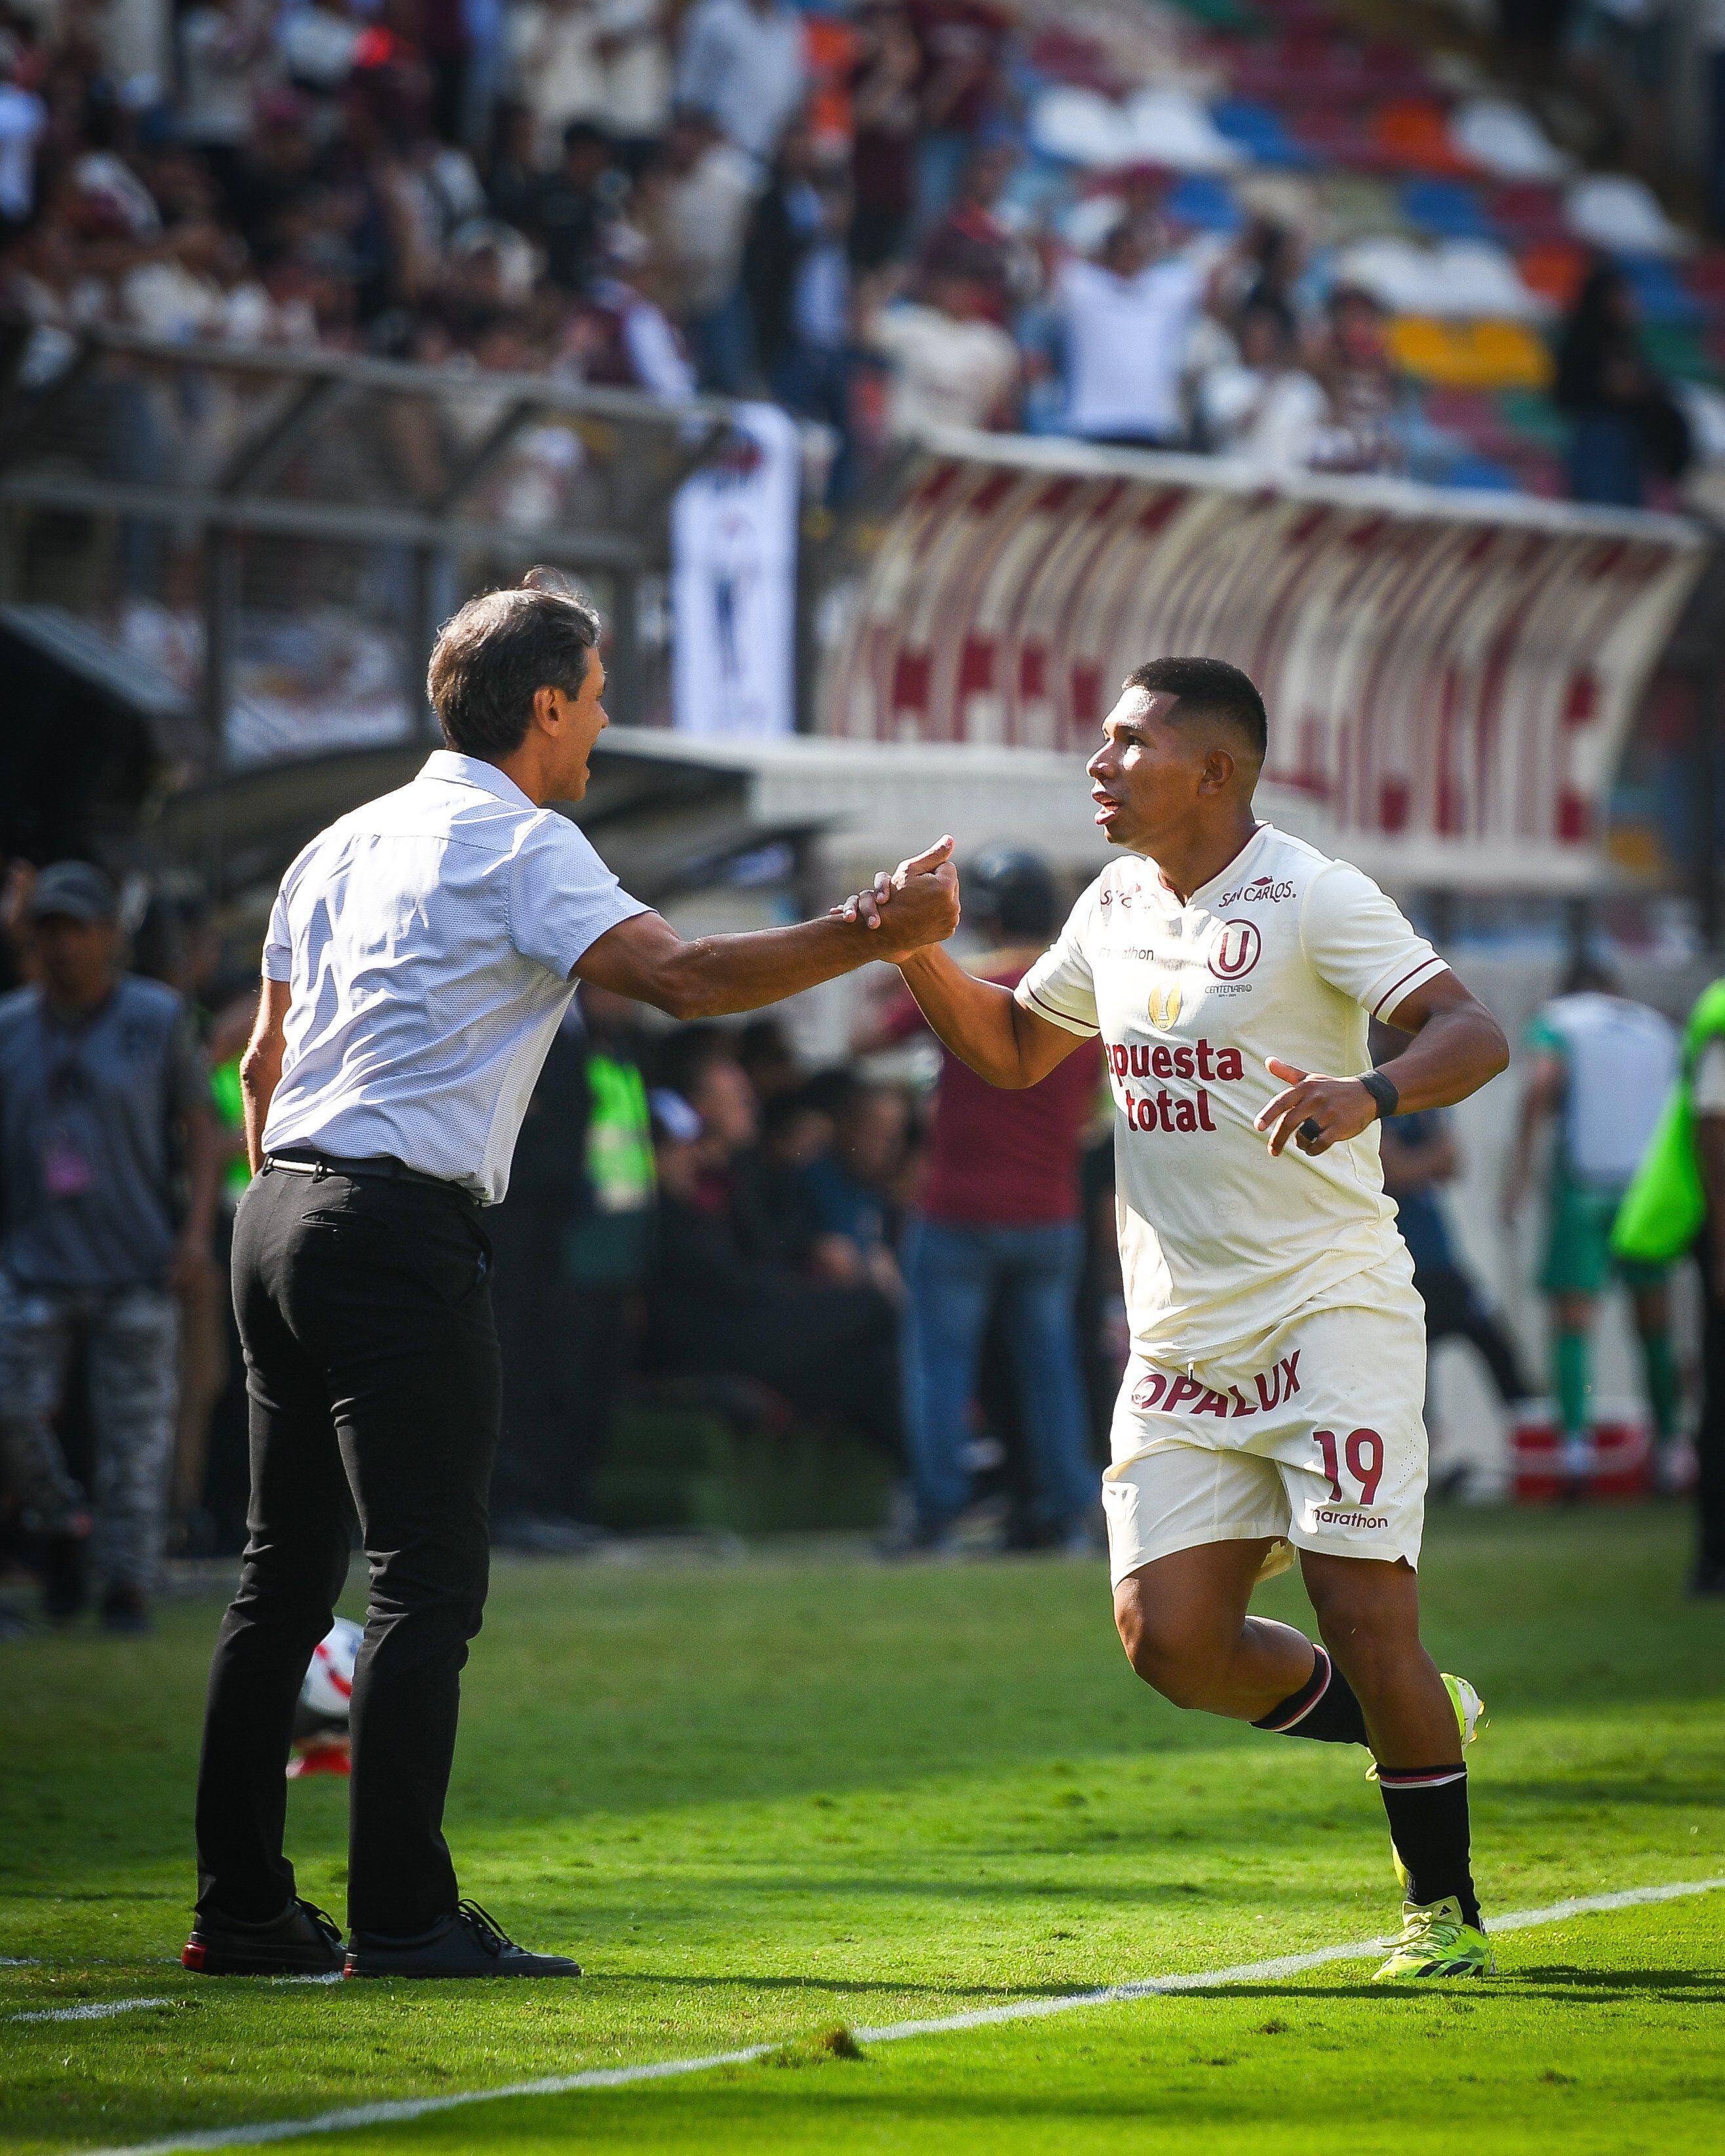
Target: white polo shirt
x=1285, y=953
x=430, y=937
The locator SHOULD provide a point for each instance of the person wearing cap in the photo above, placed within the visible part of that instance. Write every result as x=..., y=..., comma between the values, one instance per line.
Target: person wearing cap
x=421, y=953
x=109, y=1163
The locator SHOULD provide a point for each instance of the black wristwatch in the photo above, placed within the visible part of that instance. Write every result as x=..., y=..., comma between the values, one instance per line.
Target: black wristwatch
x=1383, y=1092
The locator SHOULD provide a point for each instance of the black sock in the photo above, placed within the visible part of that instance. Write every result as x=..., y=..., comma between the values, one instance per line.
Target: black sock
x=1428, y=1824
x=1324, y=1708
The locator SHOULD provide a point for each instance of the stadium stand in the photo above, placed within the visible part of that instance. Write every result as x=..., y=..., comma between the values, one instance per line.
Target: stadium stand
x=591, y=188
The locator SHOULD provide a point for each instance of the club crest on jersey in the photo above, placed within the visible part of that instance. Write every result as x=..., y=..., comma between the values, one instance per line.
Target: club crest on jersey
x=1236, y=949
x=1165, y=1001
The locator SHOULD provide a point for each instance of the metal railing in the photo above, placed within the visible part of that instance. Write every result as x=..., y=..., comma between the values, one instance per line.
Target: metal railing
x=279, y=531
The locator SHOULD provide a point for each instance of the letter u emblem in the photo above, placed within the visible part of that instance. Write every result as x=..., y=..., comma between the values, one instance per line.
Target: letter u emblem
x=1165, y=1005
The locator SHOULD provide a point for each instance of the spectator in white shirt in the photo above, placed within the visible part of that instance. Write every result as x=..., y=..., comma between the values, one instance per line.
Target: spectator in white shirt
x=743, y=62
x=606, y=61
x=1262, y=405
x=951, y=366
x=1125, y=319
x=558, y=73
x=318, y=43
x=694, y=205
x=227, y=59
x=23, y=117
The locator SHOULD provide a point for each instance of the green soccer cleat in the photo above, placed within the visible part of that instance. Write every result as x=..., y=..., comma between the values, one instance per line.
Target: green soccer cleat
x=1435, y=1942
x=1471, y=1713
x=1471, y=1717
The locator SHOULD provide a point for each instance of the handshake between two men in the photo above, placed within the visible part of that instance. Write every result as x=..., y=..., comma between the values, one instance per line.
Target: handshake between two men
x=915, y=906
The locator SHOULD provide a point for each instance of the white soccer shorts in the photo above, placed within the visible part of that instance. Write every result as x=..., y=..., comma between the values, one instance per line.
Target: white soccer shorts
x=1320, y=1445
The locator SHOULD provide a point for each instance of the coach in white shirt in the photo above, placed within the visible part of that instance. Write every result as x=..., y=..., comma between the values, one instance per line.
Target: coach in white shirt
x=420, y=956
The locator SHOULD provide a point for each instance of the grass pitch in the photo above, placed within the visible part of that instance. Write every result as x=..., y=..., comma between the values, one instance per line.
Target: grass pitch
x=768, y=1801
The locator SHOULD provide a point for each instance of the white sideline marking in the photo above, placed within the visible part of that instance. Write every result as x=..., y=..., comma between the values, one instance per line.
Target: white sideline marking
x=98, y=2010
x=982, y=2017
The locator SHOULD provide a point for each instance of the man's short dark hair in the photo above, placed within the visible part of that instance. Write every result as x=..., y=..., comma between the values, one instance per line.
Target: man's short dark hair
x=1209, y=688
x=500, y=648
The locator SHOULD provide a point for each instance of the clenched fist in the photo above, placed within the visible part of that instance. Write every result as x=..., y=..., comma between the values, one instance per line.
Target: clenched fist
x=916, y=905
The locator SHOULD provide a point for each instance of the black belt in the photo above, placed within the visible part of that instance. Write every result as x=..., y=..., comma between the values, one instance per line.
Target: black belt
x=379, y=1168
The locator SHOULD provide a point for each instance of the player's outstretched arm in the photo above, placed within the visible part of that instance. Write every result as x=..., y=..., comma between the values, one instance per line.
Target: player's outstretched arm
x=645, y=956
x=1457, y=1047
x=984, y=1024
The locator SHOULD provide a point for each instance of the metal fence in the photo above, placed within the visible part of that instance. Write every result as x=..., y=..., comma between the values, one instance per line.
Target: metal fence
x=267, y=538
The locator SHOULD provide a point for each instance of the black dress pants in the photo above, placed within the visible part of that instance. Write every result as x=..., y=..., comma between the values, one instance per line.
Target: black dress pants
x=1453, y=1311
x=371, y=1373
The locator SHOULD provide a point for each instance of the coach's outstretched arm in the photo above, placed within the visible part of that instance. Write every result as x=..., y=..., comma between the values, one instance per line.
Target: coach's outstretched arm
x=645, y=956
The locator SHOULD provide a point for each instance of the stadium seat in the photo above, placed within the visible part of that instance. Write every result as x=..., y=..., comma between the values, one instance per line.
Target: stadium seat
x=1659, y=294
x=1334, y=134
x=1448, y=209
x=1477, y=354
x=1676, y=348
x=1414, y=133
x=1204, y=203
x=1260, y=132
x=1533, y=418
x=1222, y=15
x=1553, y=268
x=1704, y=273
x=1064, y=55
x=1529, y=213
x=1484, y=473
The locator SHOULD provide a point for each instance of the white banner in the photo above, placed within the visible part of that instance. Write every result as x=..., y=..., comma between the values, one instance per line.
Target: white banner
x=734, y=584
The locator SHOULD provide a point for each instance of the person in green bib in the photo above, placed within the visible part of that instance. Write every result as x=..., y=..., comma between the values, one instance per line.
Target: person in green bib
x=607, y=1248
x=1676, y=1204
x=1602, y=1065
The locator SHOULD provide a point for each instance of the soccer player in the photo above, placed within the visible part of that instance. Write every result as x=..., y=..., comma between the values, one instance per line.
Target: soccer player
x=1275, y=1389
x=1601, y=1068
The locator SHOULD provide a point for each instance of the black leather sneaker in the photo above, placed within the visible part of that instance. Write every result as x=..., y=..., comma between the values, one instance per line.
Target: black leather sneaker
x=301, y=1942
x=468, y=1943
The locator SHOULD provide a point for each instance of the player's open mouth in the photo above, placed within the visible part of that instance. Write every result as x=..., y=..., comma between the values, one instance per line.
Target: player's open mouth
x=1106, y=807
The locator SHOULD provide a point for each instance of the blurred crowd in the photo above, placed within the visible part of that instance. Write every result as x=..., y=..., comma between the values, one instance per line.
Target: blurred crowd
x=852, y=212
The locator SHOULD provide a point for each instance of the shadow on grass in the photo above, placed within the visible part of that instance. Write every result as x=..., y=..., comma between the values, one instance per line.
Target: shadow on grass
x=1689, y=1987
x=896, y=1988
x=1693, y=1791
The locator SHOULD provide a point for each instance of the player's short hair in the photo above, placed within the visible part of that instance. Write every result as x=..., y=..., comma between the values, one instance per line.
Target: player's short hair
x=501, y=648
x=1209, y=688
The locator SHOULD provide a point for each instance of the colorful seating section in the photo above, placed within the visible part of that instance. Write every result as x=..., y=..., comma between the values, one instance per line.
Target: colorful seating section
x=1407, y=171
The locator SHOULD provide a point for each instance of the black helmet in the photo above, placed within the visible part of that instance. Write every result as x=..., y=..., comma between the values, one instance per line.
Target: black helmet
x=1013, y=892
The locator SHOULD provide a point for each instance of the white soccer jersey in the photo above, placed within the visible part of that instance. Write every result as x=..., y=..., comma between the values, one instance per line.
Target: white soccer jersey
x=1286, y=953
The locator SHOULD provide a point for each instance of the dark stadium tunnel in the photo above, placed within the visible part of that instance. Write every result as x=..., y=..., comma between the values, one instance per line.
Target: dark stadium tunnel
x=85, y=744
x=108, y=759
